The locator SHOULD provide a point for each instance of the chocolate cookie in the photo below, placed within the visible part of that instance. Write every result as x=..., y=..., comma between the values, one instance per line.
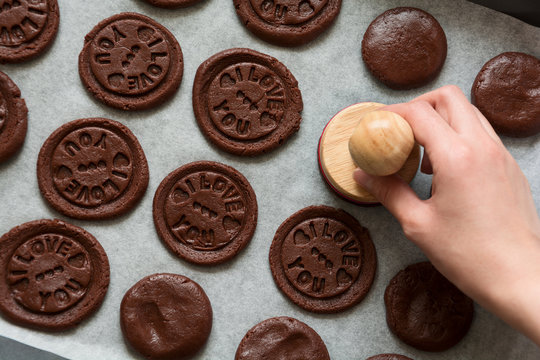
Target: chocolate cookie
x=172, y=4
x=425, y=310
x=389, y=357
x=288, y=22
x=282, y=338
x=205, y=212
x=27, y=28
x=404, y=48
x=246, y=102
x=53, y=275
x=13, y=117
x=166, y=316
x=323, y=259
x=92, y=169
x=506, y=91
x=131, y=62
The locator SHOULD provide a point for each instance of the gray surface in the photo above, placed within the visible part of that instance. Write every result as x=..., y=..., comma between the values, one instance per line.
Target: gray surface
x=331, y=76
x=14, y=350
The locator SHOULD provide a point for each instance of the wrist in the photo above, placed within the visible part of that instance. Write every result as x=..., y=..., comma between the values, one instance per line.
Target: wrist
x=515, y=296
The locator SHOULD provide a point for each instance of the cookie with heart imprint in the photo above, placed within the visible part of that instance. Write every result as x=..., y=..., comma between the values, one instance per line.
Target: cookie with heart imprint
x=131, y=62
x=92, y=169
x=205, y=212
x=323, y=259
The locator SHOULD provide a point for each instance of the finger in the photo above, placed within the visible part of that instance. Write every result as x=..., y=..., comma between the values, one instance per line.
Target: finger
x=391, y=191
x=430, y=130
x=454, y=107
x=487, y=126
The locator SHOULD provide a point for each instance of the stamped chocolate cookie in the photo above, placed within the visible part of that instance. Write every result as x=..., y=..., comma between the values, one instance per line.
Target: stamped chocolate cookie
x=507, y=92
x=246, y=102
x=404, y=48
x=287, y=22
x=131, y=62
x=27, y=28
x=282, y=338
x=323, y=259
x=389, y=357
x=92, y=169
x=166, y=316
x=205, y=212
x=53, y=275
x=172, y=4
x=425, y=310
x=13, y=118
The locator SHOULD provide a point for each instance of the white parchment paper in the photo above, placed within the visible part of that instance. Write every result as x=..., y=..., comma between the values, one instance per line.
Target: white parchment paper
x=331, y=76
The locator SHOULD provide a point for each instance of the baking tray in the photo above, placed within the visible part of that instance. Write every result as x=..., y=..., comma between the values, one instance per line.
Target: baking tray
x=331, y=76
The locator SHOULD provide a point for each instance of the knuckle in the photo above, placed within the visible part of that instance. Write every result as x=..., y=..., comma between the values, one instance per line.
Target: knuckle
x=463, y=153
x=467, y=157
x=413, y=225
x=460, y=160
x=450, y=90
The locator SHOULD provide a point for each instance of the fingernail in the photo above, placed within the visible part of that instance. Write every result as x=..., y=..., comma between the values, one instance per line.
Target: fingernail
x=362, y=178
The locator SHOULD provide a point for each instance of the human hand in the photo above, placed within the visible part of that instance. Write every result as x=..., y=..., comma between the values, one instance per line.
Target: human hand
x=480, y=227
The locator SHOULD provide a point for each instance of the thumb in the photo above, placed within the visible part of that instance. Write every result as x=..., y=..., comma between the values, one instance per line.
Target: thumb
x=391, y=191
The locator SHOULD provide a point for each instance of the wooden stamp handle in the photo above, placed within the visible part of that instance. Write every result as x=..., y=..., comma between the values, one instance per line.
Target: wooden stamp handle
x=381, y=143
x=335, y=159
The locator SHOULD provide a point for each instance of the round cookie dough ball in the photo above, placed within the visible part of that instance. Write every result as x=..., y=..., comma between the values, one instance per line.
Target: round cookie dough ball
x=282, y=338
x=166, y=316
x=425, y=310
x=404, y=48
x=389, y=357
x=507, y=92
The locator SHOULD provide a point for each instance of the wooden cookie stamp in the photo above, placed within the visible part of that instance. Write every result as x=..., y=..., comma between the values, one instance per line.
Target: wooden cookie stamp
x=380, y=142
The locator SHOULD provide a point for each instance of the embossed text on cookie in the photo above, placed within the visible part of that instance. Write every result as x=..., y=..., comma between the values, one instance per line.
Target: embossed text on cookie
x=92, y=169
x=129, y=57
x=289, y=12
x=92, y=166
x=205, y=210
x=21, y=20
x=246, y=101
x=325, y=260
x=49, y=273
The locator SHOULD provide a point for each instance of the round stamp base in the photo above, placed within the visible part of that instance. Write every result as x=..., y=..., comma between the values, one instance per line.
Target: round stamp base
x=335, y=162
